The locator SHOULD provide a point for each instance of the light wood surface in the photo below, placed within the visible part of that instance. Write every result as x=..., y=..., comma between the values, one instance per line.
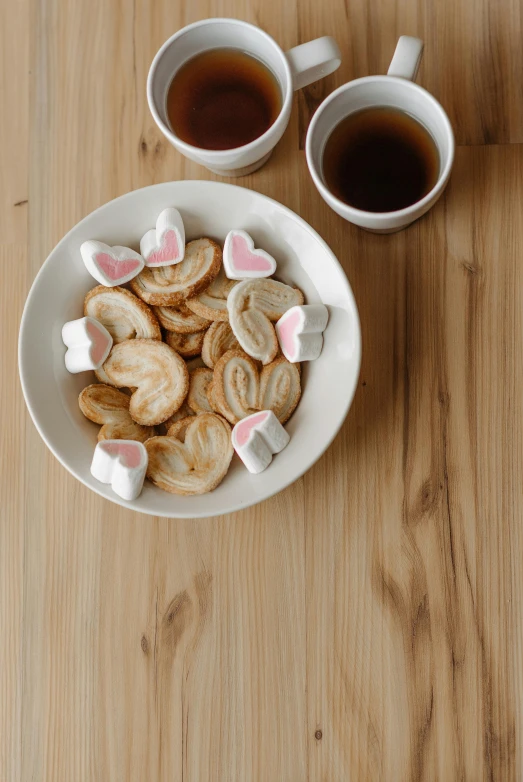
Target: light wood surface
x=366, y=624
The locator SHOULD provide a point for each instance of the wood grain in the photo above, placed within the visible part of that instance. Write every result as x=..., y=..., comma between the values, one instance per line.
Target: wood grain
x=366, y=623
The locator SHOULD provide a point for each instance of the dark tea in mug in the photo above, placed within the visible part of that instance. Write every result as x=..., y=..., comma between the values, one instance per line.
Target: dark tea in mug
x=222, y=99
x=380, y=159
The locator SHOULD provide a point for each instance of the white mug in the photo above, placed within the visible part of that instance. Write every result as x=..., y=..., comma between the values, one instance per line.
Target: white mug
x=293, y=69
x=396, y=90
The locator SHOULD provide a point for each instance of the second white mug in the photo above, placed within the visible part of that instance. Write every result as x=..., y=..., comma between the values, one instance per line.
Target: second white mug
x=293, y=69
x=395, y=90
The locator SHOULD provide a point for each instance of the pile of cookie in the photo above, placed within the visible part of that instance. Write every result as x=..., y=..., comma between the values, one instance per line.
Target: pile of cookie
x=198, y=342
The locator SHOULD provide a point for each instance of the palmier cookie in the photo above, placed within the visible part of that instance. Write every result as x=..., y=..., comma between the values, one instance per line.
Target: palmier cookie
x=252, y=305
x=187, y=345
x=109, y=407
x=184, y=412
x=167, y=286
x=212, y=302
x=124, y=315
x=180, y=319
x=238, y=388
x=158, y=374
x=199, y=381
x=218, y=339
x=198, y=464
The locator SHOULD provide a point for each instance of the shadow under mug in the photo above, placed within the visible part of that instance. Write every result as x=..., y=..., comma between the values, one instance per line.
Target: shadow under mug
x=396, y=90
x=293, y=69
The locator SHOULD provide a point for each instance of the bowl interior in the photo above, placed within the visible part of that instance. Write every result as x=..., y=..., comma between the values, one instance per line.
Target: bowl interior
x=208, y=209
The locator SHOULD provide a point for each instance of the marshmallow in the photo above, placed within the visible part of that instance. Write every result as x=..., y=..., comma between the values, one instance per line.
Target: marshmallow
x=256, y=438
x=300, y=332
x=165, y=244
x=123, y=464
x=110, y=265
x=242, y=261
x=88, y=344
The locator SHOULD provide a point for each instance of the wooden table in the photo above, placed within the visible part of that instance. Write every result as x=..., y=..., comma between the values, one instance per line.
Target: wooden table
x=366, y=623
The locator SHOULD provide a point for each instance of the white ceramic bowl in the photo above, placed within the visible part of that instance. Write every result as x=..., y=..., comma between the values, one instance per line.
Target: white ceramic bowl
x=208, y=209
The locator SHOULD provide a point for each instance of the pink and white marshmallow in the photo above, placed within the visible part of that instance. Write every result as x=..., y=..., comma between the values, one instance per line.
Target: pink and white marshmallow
x=165, y=244
x=123, y=464
x=88, y=344
x=300, y=332
x=110, y=265
x=256, y=438
x=241, y=261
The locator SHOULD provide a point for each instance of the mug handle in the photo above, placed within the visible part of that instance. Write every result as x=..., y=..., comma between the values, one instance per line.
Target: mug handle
x=312, y=60
x=407, y=58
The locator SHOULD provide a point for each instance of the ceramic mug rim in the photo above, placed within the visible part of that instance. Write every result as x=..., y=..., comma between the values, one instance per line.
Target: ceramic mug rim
x=221, y=154
x=407, y=211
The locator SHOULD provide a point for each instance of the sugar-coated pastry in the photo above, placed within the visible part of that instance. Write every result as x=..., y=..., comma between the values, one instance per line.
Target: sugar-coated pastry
x=300, y=331
x=280, y=388
x=212, y=302
x=235, y=388
x=194, y=363
x=241, y=261
x=238, y=389
x=256, y=438
x=167, y=286
x=109, y=407
x=88, y=344
x=199, y=382
x=180, y=319
x=123, y=314
x=187, y=345
x=197, y=465
x=252, y=305
x=158, y=374
x=165, y=244
x=183, y=412
x=218, y=340
x=123, y=464
x=179, y=428
x=110, y=265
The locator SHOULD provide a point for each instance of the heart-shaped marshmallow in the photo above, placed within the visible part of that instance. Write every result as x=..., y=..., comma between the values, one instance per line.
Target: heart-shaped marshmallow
x=300, y=332
x=256, y=438
x=241, y=261
x=110, y=265
x=165, y=244
x=88, y=344
x=123, y=464
x=196, y=465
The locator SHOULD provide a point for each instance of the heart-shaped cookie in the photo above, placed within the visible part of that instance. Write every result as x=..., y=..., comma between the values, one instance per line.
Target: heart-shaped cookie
x=253, y=305
x=110, y=265
x=123, y=314
x=212, y=302
x=109, y=407
x=197, y=465
x=165, y=244
x=167, y=286
x=218, y=340
x=187, y=345
x=199, y=381
x=158, y=374
x=239, y=389
x=241, y=261
x=180, y=319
